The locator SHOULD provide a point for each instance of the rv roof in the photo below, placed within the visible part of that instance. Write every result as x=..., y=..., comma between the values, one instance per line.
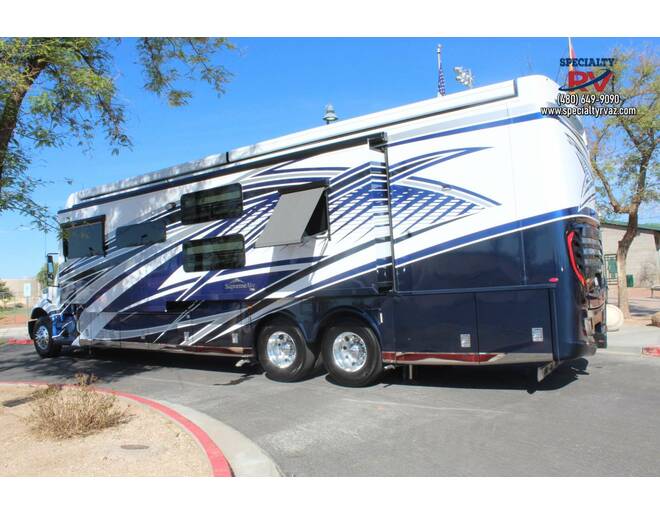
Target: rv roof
x=336, y=130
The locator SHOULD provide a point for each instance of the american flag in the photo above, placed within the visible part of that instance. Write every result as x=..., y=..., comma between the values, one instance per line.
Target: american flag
x=441, y=76
x=571, y=54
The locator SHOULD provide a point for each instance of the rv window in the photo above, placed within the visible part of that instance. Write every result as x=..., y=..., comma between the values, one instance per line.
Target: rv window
x=83, y=239
x=212, y=204
x=297, y=214
x=141, y=234
x=218, y=253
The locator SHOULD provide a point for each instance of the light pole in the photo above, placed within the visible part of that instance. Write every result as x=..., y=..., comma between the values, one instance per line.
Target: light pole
x=330, y=114
x=464, y=76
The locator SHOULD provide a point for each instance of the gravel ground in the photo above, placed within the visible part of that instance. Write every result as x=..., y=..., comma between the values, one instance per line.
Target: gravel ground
x=170, y=450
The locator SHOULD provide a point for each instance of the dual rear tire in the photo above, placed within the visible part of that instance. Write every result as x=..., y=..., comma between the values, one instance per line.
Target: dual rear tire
x=283, y=352
x=351, y=353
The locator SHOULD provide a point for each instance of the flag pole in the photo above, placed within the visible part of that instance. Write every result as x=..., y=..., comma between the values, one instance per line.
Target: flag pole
x=441, y=77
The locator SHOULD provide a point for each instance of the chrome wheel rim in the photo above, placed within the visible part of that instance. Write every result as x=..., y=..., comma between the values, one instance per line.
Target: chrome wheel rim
x=281, y=349
x=349, y=352
x=42, y=338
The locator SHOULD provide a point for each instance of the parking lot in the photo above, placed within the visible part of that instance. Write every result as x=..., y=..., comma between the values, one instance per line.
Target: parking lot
x=595, y=416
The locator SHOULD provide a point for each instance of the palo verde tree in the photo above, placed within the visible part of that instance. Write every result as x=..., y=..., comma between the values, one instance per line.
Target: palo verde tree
x=55, y=91
x=624, y=151
x=5, y=293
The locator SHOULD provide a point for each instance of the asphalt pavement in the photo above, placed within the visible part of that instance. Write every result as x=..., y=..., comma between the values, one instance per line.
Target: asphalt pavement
x=595, y=416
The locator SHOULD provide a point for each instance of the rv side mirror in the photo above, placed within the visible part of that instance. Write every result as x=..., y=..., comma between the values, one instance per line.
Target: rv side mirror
x=50, y=270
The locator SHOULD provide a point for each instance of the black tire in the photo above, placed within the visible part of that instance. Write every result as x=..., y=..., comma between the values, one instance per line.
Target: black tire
x=367, y=372
x=601, y=334
x=288, y=336
x=45, y=346
x=601, y=340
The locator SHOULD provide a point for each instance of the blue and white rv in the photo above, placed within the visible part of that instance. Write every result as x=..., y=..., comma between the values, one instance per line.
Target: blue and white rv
x=456, y=230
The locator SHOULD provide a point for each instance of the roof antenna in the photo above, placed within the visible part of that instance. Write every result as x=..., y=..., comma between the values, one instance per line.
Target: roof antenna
x=330, y=114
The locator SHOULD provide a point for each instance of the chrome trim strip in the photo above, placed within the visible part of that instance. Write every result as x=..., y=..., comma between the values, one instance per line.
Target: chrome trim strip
x=428, y=358
x=521, y=358
x=219, y=351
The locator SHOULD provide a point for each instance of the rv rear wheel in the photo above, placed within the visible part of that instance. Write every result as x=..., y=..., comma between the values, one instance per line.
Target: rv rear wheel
x=351, y=354
x=284, y=353
x=43, y=341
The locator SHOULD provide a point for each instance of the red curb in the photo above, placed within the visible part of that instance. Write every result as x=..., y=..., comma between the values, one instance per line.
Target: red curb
x=218, y=461
x=651, y=351
x=219, y=464
x=11, y=340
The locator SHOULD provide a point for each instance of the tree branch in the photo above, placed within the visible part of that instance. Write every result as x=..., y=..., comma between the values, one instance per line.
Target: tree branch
x=595, y=152
x=9, y=118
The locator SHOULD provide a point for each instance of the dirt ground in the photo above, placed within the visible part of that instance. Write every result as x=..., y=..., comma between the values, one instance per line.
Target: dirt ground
x=12, y=319
x=171, y=450
x=642, y=304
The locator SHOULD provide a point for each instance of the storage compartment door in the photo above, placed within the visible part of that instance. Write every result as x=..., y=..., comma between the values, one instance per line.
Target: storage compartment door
x=435, y=326
x=515, y=322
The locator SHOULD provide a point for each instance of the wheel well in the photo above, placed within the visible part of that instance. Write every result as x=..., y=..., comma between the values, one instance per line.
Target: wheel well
x=36, y=314
x=278, y=316
x=343, y=316
x=324, y=324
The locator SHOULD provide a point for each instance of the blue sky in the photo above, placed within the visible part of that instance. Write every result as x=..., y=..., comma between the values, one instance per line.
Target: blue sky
x=279, y=86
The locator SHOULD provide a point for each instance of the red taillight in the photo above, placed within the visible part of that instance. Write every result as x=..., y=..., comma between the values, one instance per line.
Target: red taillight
x=571, y=256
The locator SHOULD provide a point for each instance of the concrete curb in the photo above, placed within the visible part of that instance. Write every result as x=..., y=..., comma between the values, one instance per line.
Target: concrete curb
x=651, y=351
x=12, y=340
x=219, y=465
x=246, y=457
x=646, y=351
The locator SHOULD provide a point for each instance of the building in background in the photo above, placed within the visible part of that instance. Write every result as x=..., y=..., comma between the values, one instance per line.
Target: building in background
x=643, y=256
x=19, y=286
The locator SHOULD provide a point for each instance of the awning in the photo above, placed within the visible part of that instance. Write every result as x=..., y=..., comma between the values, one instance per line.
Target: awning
x=290, y=218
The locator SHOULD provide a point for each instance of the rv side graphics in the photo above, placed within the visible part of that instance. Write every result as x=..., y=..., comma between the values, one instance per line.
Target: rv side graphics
x=420, y=235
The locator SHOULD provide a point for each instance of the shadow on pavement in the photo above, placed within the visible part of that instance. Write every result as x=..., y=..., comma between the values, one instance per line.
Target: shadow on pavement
x=22, y=363
x=489, y=377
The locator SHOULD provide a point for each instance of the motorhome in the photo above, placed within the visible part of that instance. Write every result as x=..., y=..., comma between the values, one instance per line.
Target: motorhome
x=460, y=230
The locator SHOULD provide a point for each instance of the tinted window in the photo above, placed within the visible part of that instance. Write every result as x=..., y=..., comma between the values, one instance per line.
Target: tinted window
x=83, y=239
x=318, y=222
x=212, y=204
x=141, y=233
x=217, y=253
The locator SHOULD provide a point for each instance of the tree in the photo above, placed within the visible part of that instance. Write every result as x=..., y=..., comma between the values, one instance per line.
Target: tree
x=59, y=90
x=623, y=151
x=5, y=293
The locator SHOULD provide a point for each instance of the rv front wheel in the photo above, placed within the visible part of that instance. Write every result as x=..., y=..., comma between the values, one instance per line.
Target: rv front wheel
x=351, y=354
x=43, y=341
x=283, y=352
